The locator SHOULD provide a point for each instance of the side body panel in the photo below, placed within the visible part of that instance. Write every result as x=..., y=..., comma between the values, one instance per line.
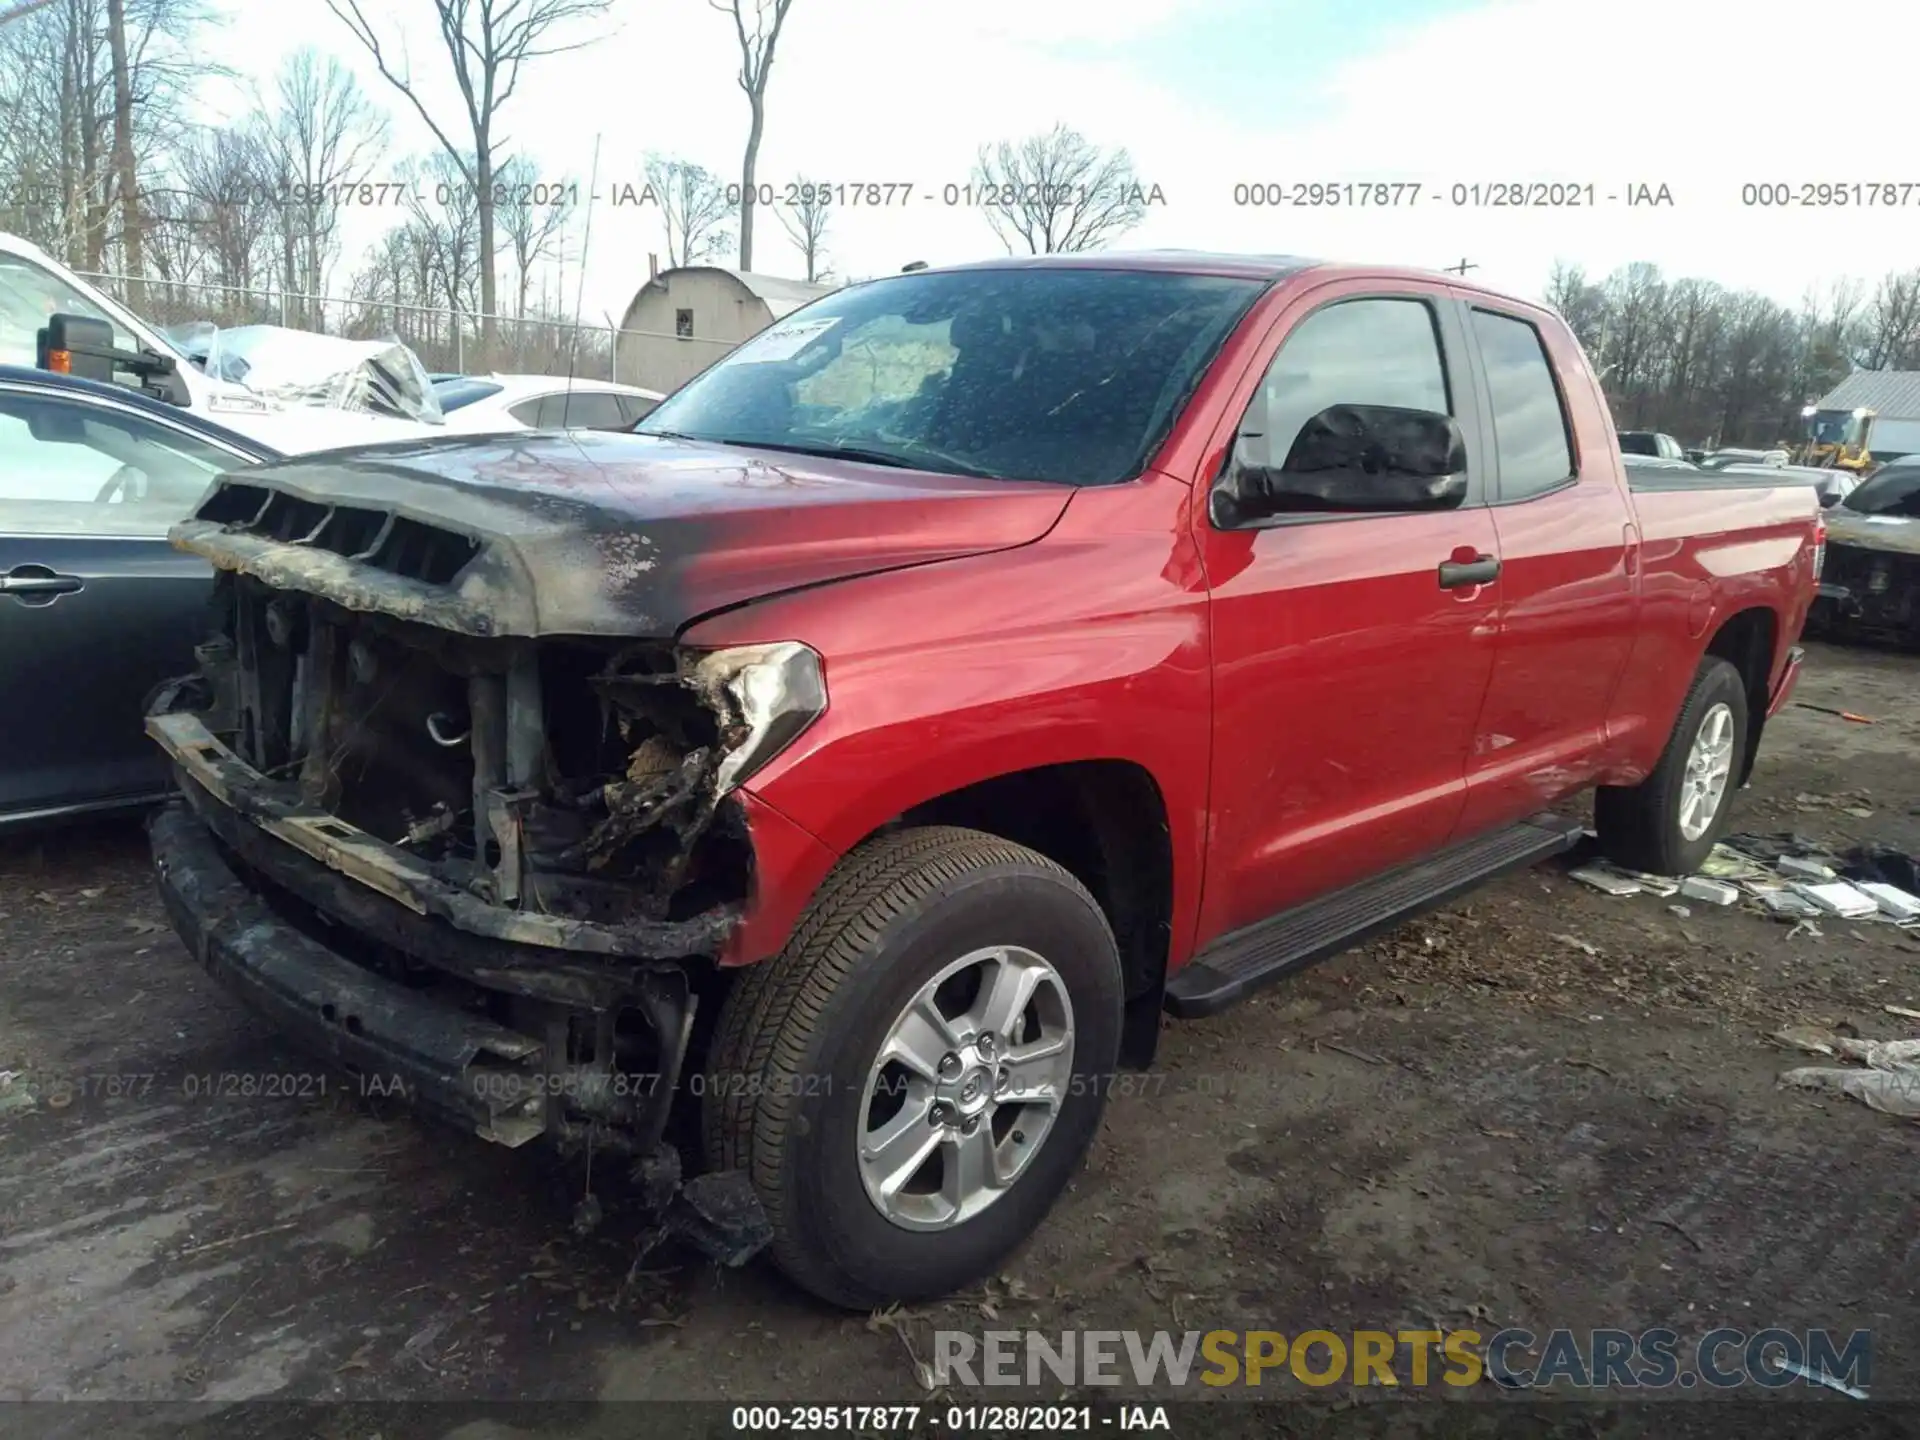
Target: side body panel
x=1567, y=602
x=1089, y=644
x=77, y=665
x=1706, y=556
x=1347, y=680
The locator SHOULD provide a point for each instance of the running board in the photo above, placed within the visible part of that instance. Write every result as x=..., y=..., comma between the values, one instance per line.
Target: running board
x=1236, y=965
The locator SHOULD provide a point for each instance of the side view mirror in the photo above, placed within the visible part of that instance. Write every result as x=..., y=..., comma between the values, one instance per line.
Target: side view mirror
x=82, y=346
x=1367, y=458
x=77, y=345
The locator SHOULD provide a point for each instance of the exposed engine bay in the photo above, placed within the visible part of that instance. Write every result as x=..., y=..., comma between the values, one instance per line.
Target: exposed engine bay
x=574, y=781
x=562, y=803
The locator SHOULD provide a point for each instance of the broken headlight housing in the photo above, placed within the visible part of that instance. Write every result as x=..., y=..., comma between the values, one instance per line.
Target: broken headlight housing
x=773, y=692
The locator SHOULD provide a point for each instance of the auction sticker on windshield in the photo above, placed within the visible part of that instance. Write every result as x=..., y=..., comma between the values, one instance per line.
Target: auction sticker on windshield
x=783, y=342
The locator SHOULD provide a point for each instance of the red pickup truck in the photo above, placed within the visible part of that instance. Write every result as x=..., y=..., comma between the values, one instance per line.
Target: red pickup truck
x=838, y=779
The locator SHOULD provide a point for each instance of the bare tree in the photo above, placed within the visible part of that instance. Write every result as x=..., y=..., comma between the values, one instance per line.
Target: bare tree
x=1577, y=301
x=1058, y=192
x=68, y=131
x=693, y=208
x=444, y=216
x=1891, y=332
x=123, y=168
x=756, y=25
x=805, y=222
x=486, y=42
x=320, y=132
x=534, y=222
x=228, y=211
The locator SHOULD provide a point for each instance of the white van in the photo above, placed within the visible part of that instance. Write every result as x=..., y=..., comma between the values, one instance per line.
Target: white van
x=35, y=286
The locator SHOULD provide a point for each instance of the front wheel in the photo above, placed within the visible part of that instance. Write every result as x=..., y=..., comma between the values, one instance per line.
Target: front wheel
x=914, y=1079
x=1668, y=824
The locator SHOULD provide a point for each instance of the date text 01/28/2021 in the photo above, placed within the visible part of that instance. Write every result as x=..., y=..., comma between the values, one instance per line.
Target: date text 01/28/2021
x=954, y=1419
x=509, y=1087
x=1465, y=195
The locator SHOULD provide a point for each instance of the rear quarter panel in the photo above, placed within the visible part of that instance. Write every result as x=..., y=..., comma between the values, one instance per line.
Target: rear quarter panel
x=1707, y=554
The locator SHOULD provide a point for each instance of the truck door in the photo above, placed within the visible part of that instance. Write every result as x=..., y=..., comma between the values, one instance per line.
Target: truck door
x=1568, y=549
x=1351, y=651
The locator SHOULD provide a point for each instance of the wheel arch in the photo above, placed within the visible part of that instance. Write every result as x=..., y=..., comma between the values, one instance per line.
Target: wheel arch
x=1747, y=640
x=1106, y=823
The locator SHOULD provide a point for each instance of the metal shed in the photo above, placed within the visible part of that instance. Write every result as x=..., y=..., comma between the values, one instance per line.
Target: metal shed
x=686, y=317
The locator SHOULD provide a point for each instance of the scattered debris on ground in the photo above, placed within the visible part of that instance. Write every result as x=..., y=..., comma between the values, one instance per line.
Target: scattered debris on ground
x=1890, y=1083
x=1787, y=875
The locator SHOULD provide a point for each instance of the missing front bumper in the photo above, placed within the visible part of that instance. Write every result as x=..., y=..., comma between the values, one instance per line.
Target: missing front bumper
x=485, y=1077
x=469, y=1070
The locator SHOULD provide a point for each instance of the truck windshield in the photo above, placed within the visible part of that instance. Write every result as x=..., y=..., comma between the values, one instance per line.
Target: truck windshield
x=1894, y=491
x=1055, y=374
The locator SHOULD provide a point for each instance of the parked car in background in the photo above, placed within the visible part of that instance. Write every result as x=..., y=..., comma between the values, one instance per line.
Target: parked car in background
x=1830, y=484
x=1872, y=577
x=1651, y=443
x=1718, y=458
x=34, y=287
x=961, y=673
x=96, y=608
x=486, y=404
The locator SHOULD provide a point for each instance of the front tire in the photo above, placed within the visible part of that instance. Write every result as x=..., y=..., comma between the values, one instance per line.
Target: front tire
x=1669, y=823
x=915, y=1078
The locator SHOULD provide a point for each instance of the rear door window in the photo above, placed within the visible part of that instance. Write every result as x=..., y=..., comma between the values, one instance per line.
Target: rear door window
x=584, y=410
x=1529, y=419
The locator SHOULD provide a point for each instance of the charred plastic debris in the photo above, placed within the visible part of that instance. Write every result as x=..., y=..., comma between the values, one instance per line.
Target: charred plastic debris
x=1787, y=876
x=533, y=839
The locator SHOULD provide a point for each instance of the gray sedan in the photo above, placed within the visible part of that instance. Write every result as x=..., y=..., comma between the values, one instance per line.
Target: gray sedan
x=96, y=608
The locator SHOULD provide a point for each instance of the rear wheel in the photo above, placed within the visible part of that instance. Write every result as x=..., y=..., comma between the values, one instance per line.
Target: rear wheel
x=1669, y=823
x=914, y=1079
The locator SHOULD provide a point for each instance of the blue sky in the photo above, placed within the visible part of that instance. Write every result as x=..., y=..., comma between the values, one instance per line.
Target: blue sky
x=1247, y=60
x=1206, y=93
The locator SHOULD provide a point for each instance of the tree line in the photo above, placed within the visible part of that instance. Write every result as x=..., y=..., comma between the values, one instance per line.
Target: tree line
x=241, y=220
x=100, y=165
x=1717, y=366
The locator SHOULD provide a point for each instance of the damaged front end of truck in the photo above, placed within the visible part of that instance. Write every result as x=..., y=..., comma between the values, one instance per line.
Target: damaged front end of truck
x=442, y=824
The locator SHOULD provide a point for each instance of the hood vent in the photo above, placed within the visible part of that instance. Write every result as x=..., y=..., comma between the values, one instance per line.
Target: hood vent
x=379, y=538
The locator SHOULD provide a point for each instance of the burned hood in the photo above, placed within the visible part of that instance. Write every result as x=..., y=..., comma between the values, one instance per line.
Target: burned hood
x=585, y=533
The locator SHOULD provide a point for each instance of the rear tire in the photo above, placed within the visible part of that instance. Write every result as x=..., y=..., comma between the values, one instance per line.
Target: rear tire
x=792, y=1099
x=1670, y=822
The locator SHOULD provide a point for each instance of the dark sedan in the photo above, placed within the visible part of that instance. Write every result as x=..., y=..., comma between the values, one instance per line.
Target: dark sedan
x=96, y=608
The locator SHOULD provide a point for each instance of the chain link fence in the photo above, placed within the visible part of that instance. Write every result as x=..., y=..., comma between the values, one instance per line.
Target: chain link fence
x=446, y=340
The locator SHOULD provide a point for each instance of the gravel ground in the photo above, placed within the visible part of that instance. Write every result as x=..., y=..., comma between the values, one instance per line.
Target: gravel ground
x=1544, y=1107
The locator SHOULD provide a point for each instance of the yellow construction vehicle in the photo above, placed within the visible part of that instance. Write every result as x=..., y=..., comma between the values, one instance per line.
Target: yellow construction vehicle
x=1836, y=439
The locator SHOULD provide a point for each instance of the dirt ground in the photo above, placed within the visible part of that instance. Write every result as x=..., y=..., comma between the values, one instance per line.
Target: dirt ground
x=1545, y=1107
